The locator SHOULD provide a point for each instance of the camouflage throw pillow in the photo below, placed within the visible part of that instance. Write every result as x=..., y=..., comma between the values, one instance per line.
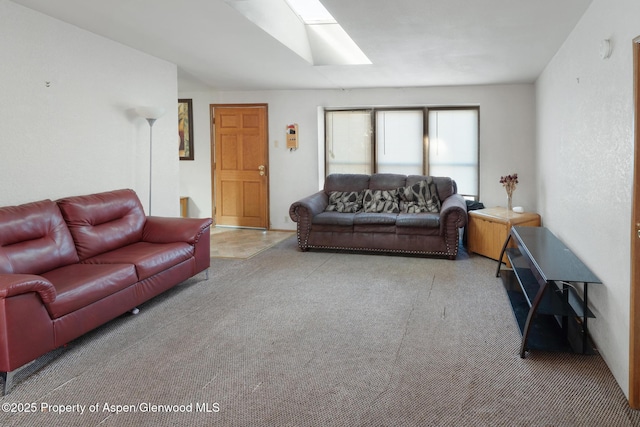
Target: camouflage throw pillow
x=344, y=201
x=381, y=201
x=419, y=197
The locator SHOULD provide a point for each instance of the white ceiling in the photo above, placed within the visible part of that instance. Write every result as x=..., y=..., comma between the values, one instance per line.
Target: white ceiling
x=410, y=42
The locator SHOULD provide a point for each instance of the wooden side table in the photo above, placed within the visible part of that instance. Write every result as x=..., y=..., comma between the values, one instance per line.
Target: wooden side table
x=488, y=229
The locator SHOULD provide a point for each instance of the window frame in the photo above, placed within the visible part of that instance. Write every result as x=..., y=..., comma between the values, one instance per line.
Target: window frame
x=425, y=137
x=425, y=146
x=371, y=133
x=450, y=108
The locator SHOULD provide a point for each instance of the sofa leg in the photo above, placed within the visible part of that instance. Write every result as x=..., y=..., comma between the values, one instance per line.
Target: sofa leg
x=8, y=382
x=135, y=310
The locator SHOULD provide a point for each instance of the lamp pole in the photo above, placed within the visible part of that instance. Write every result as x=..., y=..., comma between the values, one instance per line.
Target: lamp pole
x=151, y=122
x=151, y=114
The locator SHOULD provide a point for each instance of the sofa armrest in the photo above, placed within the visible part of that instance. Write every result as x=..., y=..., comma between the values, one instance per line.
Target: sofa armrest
x=309, y=206
x=303, y=212
x=168, y=230
x=16, y=284
x=453, y=211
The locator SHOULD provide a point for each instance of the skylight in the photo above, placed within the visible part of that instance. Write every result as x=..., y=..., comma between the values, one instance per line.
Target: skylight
x=305, y=27
x=311, y=11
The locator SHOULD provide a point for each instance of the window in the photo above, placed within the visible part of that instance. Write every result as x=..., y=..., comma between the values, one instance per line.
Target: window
x=348, y=142
x=453, y=147
x=397, y=141
x=400, y=142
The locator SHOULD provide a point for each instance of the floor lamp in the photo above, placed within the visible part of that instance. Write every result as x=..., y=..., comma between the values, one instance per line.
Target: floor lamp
x=151, y=114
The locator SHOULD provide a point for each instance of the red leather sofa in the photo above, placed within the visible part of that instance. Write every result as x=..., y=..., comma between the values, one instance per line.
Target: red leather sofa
x=69, y=266
x=428, y=233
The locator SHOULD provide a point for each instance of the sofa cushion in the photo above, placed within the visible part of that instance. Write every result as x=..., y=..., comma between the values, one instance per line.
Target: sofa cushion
x=418, y=220
x=345, y=201
x=381, y=218
x=374, y=222
x=334, y=218
x=78, y=285
x=380, y=201
x=346, y=182
x=34, y=238
x=104, y=221
x=387, y=181
x=419, y=197
x=148, y=258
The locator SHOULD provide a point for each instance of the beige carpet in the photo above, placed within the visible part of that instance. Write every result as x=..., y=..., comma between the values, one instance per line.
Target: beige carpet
x=321, y=339
x=243, y=243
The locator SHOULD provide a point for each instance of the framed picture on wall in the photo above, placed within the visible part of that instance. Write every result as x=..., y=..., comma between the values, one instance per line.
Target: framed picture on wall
x=185, y=128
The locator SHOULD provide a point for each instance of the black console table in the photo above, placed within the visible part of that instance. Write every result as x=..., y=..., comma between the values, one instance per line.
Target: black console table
x=543, y=286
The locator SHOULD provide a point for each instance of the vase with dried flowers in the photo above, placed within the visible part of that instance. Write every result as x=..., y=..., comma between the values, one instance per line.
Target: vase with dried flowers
x=509, y=183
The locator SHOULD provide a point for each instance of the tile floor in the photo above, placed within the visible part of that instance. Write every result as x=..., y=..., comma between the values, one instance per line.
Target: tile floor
x=229, y=242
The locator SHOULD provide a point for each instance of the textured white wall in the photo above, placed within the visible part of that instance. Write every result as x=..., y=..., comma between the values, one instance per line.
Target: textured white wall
x=507, y=138
x=195, y=175
x=78, y=135
x=585, y=168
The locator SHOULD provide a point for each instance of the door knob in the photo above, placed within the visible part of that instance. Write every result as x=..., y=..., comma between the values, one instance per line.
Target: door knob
x=261, y=169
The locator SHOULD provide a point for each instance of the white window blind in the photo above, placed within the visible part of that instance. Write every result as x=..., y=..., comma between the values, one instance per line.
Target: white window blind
x=399, y=141
x=453, y=147
x=348, y=142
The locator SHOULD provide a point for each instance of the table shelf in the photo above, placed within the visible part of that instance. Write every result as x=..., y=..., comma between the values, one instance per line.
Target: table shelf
x=552, y=301
x=545, y=334
x=542, y=286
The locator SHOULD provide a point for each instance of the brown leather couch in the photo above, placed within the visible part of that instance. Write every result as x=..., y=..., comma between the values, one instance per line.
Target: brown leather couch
x=422, y=233
x=69, y=266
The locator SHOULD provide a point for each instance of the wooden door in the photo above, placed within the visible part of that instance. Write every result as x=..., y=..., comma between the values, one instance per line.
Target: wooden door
x=241, y=169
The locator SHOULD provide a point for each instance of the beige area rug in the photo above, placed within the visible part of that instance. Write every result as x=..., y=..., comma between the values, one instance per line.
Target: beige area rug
x=243, y=243
x=305, y=339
